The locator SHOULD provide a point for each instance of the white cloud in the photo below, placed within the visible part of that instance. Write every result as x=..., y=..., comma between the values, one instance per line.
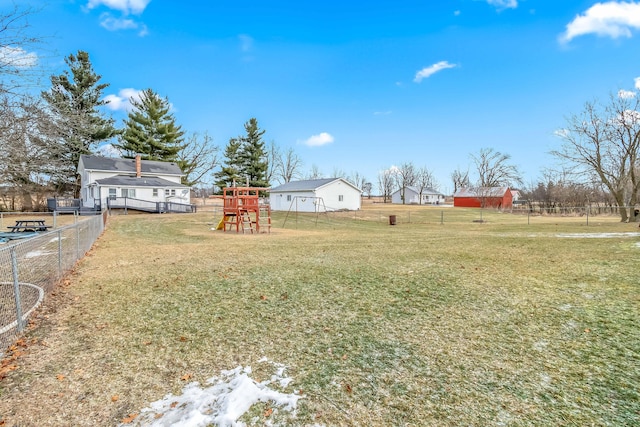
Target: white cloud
x=135, y=7
x=246, y=42
x=108, y=150
x=319, y=140
x=17, y=57
x=428, y=71
x=503, y=4
x=626, y=94
x=636, y=82
x=112, y=23
x=122, y=101
x=612, y=19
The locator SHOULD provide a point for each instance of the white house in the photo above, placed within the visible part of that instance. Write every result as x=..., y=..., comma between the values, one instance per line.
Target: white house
x=316, y=195
x=412, y=196
x=153, y=182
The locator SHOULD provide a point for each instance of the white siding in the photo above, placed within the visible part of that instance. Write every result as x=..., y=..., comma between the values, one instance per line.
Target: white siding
x=331, y=193
x=325, y=198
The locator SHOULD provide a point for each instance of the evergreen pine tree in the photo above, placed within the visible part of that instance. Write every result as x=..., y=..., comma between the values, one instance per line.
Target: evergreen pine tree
x=73, y=103
x=151, y=130
x=230, y=171
x=252, y=155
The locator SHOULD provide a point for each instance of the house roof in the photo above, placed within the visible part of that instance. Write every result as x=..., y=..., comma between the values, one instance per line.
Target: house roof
x=308, y=185
x=482, y=192
x=425, y=192
x=110, y=164
x=132, y=181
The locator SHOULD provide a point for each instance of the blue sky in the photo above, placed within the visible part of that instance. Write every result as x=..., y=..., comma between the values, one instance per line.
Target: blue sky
x=360, y=86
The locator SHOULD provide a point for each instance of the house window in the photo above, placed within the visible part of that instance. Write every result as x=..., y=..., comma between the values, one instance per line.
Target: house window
x=128, y=192
x=288, y=197
x=170, y=192
x=155, y=192
x=112, y=194
x=341, y=198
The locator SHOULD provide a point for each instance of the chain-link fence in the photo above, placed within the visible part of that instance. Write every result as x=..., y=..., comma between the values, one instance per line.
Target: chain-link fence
x=31, y=267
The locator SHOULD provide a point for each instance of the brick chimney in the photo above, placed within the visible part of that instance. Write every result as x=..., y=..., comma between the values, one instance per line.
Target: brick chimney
x=138, y=166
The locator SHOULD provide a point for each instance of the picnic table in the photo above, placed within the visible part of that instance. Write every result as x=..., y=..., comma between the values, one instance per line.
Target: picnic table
x=23, y=225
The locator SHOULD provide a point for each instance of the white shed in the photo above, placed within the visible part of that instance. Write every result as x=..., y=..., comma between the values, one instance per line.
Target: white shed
x=316, y=195
x=412, y=196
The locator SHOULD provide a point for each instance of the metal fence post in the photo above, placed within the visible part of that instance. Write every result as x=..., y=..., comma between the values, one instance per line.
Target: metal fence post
x=587, y=215
x=16, y=289
x=77, y=241
x=59, y=253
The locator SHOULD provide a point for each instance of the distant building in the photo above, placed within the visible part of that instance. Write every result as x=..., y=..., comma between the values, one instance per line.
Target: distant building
x=316, y=195
x=483, y=197
x=412, y=196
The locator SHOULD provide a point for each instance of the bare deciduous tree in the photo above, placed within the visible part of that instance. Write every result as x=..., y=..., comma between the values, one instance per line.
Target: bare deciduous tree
x=315, y=172
x=198, y=157
x=604, y=140
x=287, y=166
x=424, y=180
x=24, y=161
x=367, y=187
x=405, y=176
x=460, y=179
x=18, y=61
x=357, y=179
x=386, y=183
x=494, y=169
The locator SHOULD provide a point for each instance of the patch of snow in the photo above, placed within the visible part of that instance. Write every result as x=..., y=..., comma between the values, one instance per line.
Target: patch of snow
x=597, y=235
x=540, y=345
x=34, y=254
x=545, y=380
x=221, y=404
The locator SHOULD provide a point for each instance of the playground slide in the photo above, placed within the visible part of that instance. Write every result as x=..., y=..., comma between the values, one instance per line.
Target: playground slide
x=221, y=223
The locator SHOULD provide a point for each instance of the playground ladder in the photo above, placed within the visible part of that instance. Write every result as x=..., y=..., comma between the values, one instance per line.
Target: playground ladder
x=247, y=222
x=265, y=218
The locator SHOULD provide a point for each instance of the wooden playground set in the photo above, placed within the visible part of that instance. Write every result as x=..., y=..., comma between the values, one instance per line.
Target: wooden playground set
x=243, y=210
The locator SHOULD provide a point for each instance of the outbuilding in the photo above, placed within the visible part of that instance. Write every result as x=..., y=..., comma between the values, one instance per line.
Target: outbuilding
x=413, y=196
x=316, y=195
x=483, y=197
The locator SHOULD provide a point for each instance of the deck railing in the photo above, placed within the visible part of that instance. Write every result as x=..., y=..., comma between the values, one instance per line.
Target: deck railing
x=149, y=206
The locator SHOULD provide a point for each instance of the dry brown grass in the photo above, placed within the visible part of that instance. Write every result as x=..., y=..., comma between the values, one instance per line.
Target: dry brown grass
x=419, y=324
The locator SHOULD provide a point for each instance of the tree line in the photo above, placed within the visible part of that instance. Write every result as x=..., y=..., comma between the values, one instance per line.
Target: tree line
x=43, y=136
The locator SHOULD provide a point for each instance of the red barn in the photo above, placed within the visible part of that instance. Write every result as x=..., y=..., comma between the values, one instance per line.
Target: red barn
x=484, y=197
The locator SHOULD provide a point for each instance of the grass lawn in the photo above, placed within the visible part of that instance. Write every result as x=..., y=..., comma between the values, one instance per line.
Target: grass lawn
x=504, y=322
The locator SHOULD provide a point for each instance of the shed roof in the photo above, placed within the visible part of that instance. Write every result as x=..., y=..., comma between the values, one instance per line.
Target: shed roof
x=308, y=185
x=111, y=164
x=482, y=192
x=426, y=191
